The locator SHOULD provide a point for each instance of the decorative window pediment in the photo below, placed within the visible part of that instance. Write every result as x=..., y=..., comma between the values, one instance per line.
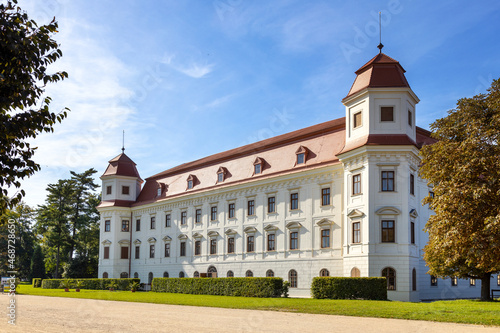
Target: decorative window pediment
x=106, y=242
x=124, y=242
x=355, y=213
x=324, y=222
x=191, y=181
x=301, y=155
x=137, y=242
x=250, y=230
x=212, y=234
x=271, y=227
x=167, y=239
x=151, y=240
x=221, y=174
x=258, y=165
x=230, y=232
x=197, y=235
x=388, y=211
x=294, y=225
x=413, y=213
x=182, y=236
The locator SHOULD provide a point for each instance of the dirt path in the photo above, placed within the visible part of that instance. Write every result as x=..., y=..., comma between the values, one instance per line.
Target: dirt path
x=56, y=314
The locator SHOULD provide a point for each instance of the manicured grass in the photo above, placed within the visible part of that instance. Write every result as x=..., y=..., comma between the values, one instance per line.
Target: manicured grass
x=460, y=311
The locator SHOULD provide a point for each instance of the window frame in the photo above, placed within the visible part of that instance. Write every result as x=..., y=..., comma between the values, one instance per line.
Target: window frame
x=197, y=247
x=213, y=213
x=271, y=205
x=182, y=252
x=356, y=232
x=231, y=210
x=391, y=280
x=325, y=237
x=382, y=114
x=168, y=220
x=251, y=207
x=125, y=226
x=434, y=281
x=184, y=217
x=271, y=242
x=294, y=201
x=388, y=233
x=106, y=252
x=293, y=278
x=410, y=118
x=294, y=240
x=213, y=246
x=138, y=225
x=125, y=190
x=197, y=215
x=137, y=252
x=250, y=244
x=230, y=245
x=167, y=250
x=109, y=190
x=152, y=224
x=454, y=281
x=357, y=117
x=387, y=180
x=412, y=184
x=325, y=196
x=301, y=158
x=107, y=225
x=324, y=272
x=124, y=252
x=356, y=184
x=257, y=170
x=412, y=232
x=151, y=251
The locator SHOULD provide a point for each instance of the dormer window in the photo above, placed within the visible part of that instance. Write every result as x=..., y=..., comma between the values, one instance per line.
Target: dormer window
x=108, y=190
x=410, y=118
x=221, y=175
x=125, y=190
x=301, y=155
x=161, y=189
x=190, y=182
x=258, y=166
x=158, y=192
x=387, y=113
x=357, y=121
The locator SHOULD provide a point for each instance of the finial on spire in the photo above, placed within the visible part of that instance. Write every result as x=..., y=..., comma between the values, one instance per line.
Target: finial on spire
x=123, y=142
x=380, y=46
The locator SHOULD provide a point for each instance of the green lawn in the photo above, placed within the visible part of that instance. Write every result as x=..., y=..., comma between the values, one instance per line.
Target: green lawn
x=462, y=311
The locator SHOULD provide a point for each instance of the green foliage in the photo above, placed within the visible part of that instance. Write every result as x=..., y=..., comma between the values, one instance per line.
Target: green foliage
x=463, y=167
x=66, y=284
x=26, y=50
x=286, y=287
x=246, y=287
x=37, y=282
x=370, y=288
x=134, y=285
x=37, y=268
x=93, y=284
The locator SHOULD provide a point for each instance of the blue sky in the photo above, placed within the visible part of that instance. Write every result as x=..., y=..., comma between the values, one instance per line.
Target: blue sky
x=186, y=79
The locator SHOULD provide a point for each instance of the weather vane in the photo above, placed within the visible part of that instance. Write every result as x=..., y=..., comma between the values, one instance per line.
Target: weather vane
x=380, y=46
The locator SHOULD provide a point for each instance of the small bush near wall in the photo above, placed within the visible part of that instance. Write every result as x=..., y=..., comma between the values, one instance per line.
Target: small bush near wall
x=373, y=288
x=37, y=282
x=247, y=287
x=93, y=284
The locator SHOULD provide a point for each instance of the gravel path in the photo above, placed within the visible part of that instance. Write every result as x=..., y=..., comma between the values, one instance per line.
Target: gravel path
x=56, y=314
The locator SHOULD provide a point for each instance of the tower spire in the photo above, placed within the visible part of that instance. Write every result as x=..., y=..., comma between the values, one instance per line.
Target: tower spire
x=123, y=142
x=380, y=46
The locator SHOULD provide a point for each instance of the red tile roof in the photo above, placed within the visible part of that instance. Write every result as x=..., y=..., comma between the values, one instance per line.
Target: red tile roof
x=121, y=165
x=380, y=72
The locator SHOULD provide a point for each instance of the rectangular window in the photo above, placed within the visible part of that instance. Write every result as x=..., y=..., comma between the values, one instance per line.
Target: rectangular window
x=257, y=169
x=106, y=252
x=107, y=225
x=325, y=196
x=125, y=190
x=198, y=216
x=294, y=201
x=183, y=217
x=138, y=225
x=356, y=232
x=124, y=252
x=271, y=204
x=410, y=118
x=387, y=181
x=231, y=210
x=250, y=244
x=152, y=251
x=388, y=231
x=137, y=251
x=168, y=220
x=357, y=119
x=220, y=177
x=434, y=281
x=325, y=238
x=386, y=113
x=251, y=207
x=454, y=281
x=125, y=225
x=190, y=184
x=294, y=240
x=183, y=249
x=213, y=213
x=431, y=194
x=153, y=222
x=213, y=246
x=356, y=184
x=109, y=190
x=412, y=184
x=472, y=282
x=167, y=250
x=412, y=232
x=271, y=242
x=230, y=245
x=301, y=158
x=197, y=248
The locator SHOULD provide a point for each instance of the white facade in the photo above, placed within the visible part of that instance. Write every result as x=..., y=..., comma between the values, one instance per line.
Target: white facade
x=374, y=224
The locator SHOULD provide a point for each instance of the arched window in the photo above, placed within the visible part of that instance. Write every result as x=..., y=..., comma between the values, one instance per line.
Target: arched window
x=165, y=274
x=324, y=272
x=390, y=274
x=292, y=278
x=249, y=273
x=355, y=272
x=212, y=272
x=269, y=273
x=181, y=274
x=196, y=274
x=105, y=275
x=230, y=274
x=123, y=275
x=414, y=280
x=150, y=277
x=136, y=275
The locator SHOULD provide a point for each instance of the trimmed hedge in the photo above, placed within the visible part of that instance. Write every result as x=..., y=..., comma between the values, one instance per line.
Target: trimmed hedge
x=37, y=282
x=373, y=288
x=93, y=284
x=246, y=287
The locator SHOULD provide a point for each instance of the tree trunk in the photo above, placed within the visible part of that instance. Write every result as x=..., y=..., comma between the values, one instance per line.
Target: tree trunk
x=485, y=287
x=57, y=263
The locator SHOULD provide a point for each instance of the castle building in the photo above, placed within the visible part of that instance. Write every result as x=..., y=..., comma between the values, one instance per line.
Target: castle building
x=341, y=198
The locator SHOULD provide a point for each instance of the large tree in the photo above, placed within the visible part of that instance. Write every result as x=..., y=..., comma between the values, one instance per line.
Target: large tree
x=26, y=50
x=463, y=167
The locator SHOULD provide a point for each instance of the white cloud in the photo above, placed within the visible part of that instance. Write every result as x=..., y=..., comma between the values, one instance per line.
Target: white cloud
x=190, y=68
